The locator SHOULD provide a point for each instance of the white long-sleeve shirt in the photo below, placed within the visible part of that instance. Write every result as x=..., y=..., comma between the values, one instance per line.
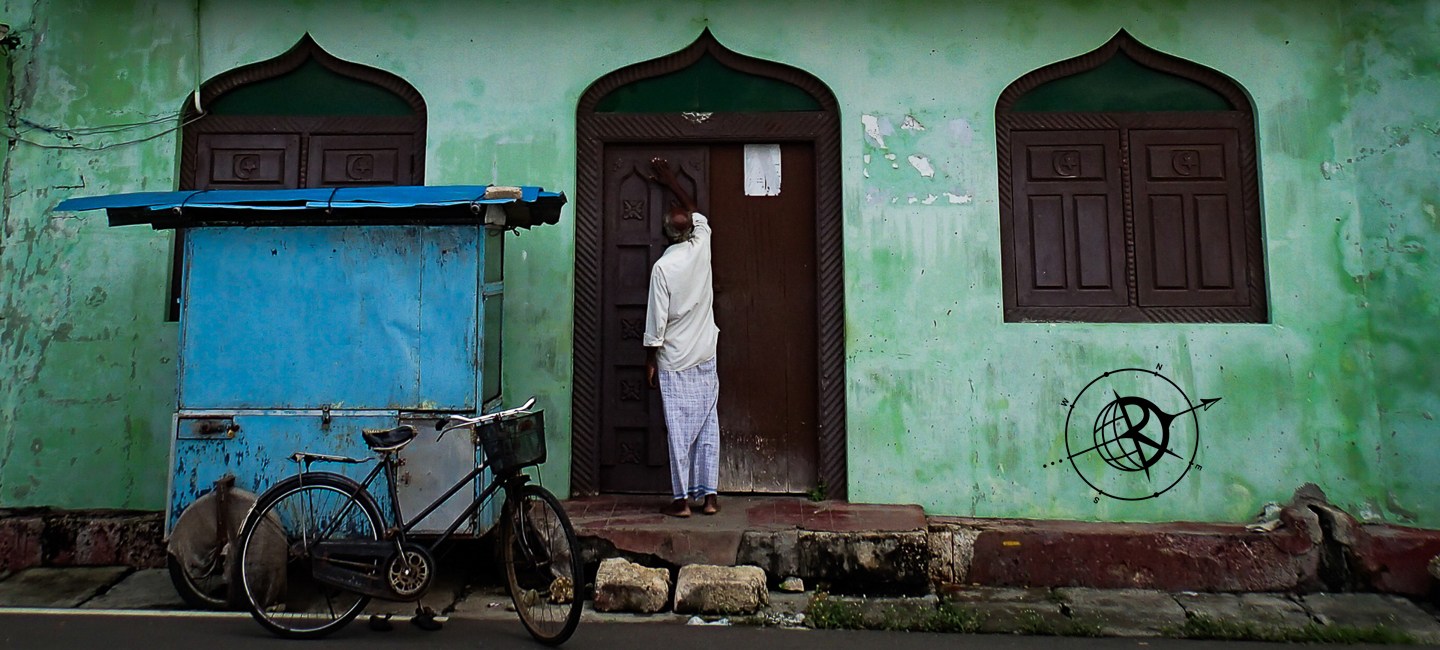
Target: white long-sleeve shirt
x=680, y=312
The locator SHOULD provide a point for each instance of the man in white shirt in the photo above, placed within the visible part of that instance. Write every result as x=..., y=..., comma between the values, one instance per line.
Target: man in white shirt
x=680, y=340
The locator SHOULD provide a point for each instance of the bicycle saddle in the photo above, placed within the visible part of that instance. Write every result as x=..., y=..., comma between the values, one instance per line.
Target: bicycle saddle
x=388, y=439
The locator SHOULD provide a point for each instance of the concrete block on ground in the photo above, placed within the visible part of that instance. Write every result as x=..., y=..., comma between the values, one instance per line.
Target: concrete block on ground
x=1371, y=610
x=885, y=563
x=1124, y=612
x=144, y=589
x=1010, y=610
x=1267, y=610
x=623, y=586
x=709, y=589
x=52, y=587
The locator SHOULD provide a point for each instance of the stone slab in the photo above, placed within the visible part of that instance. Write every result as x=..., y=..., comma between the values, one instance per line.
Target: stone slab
x=52, y=587
x=623, y=586
x=1269, y=610
x=1123, y=612
x=708, y=589
x=1371, y=610
x=143, y=589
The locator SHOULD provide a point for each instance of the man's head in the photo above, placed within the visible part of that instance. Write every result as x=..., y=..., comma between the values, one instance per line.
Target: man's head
x=677, y=224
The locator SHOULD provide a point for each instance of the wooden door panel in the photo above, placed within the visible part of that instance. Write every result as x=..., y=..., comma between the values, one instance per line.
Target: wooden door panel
x=1068, y=225
x=247, y=161
x=765, y=279
x=358, y=160
x=634, y=456
x=1188, y=217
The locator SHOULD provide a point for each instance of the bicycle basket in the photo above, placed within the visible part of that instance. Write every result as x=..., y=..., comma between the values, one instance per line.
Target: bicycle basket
x=514, y=442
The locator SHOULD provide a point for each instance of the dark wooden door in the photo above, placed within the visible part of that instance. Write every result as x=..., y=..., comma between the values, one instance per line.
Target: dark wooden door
x=764, y=264
x=633, y=453
x=765, y=279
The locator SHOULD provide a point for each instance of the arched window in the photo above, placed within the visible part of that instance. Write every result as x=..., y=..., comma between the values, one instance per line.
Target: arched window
x=302, y=119
x=1129, y=192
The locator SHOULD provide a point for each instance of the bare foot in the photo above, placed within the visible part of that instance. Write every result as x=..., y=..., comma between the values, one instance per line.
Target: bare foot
x=677, y=508
x=712, y=504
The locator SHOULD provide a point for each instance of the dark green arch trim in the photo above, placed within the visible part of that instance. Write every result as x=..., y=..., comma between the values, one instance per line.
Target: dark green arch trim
x=707, y=86
x=1121, y=84
x=311, y=89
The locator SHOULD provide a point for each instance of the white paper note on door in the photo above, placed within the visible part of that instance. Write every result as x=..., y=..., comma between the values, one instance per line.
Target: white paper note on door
x=762, y=170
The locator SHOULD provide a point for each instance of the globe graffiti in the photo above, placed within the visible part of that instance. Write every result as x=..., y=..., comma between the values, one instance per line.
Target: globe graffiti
x=1153, y=438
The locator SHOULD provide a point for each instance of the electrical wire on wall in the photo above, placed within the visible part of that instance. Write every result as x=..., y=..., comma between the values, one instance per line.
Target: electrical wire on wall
x=68, y=137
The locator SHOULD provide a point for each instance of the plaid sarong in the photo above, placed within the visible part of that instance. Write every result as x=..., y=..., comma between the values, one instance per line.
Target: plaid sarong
x=689, y=397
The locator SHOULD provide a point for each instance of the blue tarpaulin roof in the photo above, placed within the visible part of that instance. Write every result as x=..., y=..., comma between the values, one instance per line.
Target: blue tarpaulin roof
x=525, y=206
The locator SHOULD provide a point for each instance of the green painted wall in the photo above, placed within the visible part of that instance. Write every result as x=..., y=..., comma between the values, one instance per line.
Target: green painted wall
x=949, y=407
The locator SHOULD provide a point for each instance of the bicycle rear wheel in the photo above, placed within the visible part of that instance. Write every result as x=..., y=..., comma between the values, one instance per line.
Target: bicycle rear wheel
x=275, y=561
x=542, y=564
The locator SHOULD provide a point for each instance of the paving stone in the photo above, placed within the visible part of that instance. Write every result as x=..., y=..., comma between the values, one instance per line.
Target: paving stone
x=57, y=587
x=1010, y=610
x=621, y=585
x=1371, y=610
x=709, y=589
x=789, y=603
x=1124, y=612
x=792, y=585
x=1269, y=610
x=144, y=589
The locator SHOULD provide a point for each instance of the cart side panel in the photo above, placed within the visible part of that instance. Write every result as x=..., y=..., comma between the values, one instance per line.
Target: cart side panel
x=345, y=317
x=258, y=451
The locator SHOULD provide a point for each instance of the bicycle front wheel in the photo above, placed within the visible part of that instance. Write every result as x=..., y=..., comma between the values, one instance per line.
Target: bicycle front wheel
x=542, y=564
x=276, y=553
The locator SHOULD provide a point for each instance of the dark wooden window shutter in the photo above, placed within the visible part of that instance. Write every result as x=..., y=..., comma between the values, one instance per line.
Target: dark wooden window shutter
x=1135, y=206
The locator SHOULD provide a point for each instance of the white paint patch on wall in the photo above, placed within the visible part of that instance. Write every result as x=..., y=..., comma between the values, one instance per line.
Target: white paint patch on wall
x=876, y=128
x=959, y=199
x=912, y=124
x=922, y=165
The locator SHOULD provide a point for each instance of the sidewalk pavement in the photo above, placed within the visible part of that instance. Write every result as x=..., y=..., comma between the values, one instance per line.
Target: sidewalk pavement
x=1344, y=617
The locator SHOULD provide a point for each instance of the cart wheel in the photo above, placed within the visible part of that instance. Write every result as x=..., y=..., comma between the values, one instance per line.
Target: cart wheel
x=198, y=554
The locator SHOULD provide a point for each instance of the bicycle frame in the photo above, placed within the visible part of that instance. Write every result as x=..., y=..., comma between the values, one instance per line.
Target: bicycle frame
x=398, y=530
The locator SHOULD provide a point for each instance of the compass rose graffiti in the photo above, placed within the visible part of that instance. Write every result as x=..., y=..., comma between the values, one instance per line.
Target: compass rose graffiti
x=1141, y=439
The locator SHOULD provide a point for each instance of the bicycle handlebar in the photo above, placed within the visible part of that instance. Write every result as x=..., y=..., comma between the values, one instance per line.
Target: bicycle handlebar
x=449, y=423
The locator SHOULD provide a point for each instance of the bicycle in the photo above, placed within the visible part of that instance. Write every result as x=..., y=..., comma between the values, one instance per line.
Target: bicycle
x=315, y=549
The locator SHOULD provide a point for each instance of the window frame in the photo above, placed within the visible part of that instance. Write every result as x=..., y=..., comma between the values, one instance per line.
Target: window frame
x=1011, y=125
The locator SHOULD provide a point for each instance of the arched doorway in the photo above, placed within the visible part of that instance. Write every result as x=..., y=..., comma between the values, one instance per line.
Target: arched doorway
x=778, y=273
x=302, y=119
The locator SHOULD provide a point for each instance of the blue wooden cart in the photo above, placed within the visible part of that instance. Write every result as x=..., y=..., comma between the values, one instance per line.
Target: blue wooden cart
x=309, y=315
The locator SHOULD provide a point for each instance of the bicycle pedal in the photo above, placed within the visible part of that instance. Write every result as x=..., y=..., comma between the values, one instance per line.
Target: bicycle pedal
x=425, y=619
x=381, y=623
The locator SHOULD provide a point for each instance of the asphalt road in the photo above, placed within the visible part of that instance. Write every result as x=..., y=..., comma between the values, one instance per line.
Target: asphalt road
x=71, y=631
